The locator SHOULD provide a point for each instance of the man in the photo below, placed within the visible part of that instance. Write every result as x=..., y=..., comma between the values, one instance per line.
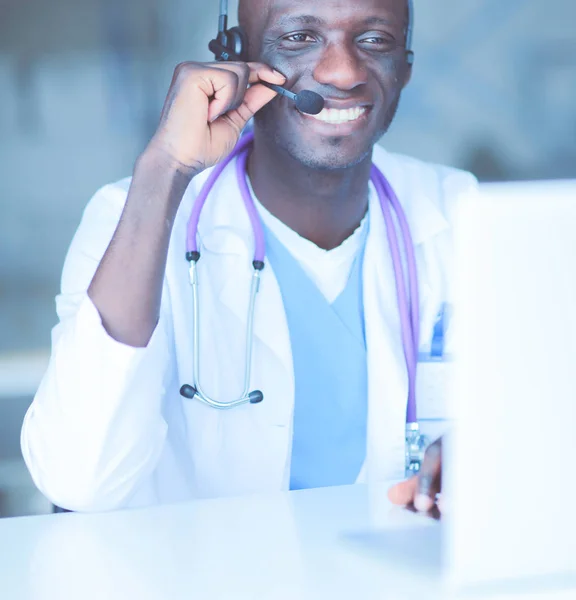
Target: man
x=108, y=427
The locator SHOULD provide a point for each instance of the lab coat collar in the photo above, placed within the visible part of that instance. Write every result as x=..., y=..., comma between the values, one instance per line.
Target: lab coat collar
x=387, y=379
x=417, y=187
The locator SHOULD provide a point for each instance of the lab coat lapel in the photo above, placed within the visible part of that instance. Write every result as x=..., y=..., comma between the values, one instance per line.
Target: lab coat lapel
x=387, y=376
x=387, y=379
x=420, y=192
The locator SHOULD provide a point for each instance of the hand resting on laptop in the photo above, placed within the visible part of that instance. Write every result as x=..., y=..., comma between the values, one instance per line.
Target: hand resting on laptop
x=421, y=491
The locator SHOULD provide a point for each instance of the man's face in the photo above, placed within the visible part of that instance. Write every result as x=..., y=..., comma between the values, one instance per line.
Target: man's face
x=351, y=52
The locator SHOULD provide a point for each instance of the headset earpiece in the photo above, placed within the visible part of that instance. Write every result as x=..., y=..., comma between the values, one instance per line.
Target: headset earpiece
x=410, y=57
x=237, y=43
x=230, y=44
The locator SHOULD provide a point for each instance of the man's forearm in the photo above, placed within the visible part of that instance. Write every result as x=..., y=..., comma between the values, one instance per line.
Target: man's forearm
x=127, y=286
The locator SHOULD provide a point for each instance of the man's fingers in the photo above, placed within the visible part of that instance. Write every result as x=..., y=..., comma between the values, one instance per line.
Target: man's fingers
x=403, y=493
x=249, y=74
x=429, y=480
x=224, y=94
x=238, y=99
x=256, y=97
x=425, y=496
x=261, y=72
x=241, y=72
x=252, y=71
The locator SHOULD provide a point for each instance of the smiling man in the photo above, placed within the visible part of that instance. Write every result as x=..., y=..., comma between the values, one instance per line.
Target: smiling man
x=319, y=358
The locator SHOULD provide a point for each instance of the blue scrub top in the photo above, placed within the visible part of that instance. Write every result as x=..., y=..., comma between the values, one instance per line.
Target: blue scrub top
x=330, y=369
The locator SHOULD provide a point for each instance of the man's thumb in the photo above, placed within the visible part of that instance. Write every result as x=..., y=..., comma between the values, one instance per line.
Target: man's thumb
x=403, y=493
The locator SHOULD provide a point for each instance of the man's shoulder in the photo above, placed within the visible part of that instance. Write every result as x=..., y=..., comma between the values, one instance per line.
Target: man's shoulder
x=411, y=177
x=107, y=203
x=423, y=170
x=116, y=189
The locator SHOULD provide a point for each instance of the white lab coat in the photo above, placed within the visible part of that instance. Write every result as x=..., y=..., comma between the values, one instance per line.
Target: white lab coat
x=108, y=428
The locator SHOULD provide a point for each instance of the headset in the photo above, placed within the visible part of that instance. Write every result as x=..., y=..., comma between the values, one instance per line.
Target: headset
x=231, y=44
x=410, y=33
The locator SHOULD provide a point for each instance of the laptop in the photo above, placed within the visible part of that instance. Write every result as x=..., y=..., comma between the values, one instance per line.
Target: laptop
x=510, y=462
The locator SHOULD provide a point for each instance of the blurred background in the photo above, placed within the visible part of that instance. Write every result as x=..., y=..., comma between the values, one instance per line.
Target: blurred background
x=82, y=83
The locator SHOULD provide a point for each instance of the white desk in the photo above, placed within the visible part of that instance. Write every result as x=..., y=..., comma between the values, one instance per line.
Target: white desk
x=321, y=544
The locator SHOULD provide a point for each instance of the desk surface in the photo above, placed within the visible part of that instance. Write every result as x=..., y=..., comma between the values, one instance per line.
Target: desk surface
x=319, y=544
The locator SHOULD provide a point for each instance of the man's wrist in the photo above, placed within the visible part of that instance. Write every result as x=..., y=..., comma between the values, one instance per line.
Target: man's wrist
x=157, y=158
x=157, y=175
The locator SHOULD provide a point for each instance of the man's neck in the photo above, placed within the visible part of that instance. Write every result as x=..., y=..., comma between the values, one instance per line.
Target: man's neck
x=323, y=206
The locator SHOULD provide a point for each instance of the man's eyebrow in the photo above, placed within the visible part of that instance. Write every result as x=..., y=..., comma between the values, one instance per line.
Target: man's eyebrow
x=377, y=21
x=288, y=20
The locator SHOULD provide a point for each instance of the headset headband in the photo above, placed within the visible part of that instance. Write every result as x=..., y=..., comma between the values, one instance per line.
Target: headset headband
x=409, y=26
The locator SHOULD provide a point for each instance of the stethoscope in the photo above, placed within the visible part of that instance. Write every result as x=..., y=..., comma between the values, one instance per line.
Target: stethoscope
x=406, y=291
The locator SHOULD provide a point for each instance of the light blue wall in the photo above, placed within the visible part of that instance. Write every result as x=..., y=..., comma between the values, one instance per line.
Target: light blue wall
x=493, y=90
x=496, y=80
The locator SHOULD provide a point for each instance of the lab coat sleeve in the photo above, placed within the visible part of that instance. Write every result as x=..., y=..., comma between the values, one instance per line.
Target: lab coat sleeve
x=95, y=429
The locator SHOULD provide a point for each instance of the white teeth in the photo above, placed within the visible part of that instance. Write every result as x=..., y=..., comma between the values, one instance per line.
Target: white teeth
x=337, y=117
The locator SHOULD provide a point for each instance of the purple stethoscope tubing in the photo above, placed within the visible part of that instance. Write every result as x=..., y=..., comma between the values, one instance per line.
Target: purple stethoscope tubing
x=406, y=278
x=408, y=297
x=192, y=238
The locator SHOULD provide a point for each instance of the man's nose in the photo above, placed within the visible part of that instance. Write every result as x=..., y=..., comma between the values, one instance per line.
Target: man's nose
x=340, y=67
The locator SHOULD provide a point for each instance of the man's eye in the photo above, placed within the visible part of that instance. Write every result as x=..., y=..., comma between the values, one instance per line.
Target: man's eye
x=299, y=38
x=378, y=42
